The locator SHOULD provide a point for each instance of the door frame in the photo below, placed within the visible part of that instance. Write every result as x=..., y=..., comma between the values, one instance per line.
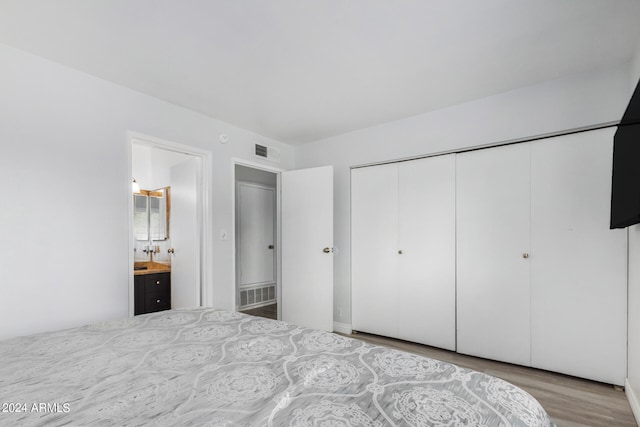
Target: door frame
x=204, y=174
x=267, y=168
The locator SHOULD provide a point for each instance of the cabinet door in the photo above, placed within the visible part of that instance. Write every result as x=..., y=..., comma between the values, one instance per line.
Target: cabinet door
x=159, y=283
x=427, y=238
x=493, y=219
x=578, y=264
x=374, y=249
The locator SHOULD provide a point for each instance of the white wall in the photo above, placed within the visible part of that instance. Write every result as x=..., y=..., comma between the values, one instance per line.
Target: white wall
x=244, y=173
x=581, y=100
x=64, y=162
x=633, y=356
x=151, y=167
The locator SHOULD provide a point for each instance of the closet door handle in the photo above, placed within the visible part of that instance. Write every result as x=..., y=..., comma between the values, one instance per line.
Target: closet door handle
x=326, y=250
x=525, y=255
x=271, y=246
x=400, y=252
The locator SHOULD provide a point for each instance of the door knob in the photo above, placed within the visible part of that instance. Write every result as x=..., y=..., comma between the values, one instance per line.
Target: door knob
x=400, y=252
x=326, y=250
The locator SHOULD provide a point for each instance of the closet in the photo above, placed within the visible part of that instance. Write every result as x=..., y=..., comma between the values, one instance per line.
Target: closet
x=520, y=252
x=578, y=265
x=541, y=278
x=403, y=250
x=493, y=280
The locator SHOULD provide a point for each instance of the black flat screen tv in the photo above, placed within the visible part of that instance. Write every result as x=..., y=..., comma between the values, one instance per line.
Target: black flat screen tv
x=625, y=181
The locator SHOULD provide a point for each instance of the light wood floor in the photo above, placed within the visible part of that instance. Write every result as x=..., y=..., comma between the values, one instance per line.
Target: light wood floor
x=570, y=401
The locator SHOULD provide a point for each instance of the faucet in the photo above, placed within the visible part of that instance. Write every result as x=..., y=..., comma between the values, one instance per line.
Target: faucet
x=150, y=249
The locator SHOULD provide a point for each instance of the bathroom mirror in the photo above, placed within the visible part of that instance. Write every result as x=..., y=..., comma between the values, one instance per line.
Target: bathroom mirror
x=141, y=216
x=151, y=214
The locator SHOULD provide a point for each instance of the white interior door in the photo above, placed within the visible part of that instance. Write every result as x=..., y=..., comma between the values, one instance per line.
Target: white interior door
x=374, y=249
x=256, y=244
x=307, y=244
x=579, y=266
x=493, y=240
x=185, y=261
x=427, y=241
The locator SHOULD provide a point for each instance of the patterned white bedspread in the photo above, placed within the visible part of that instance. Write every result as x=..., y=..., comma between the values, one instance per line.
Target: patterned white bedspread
x=217, y=368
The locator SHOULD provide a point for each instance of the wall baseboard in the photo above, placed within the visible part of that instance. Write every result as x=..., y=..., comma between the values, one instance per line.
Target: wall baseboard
x=633, y=400
x=343, y=328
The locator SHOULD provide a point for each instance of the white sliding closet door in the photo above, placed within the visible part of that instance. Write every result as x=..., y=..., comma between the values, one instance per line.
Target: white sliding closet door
x=578, y=264
x=493, y=217
x=427, y=264
x=374, y=249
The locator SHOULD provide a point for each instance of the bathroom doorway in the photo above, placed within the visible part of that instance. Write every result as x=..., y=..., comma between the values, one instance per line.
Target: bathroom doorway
x=179, y=170
x=256, y=241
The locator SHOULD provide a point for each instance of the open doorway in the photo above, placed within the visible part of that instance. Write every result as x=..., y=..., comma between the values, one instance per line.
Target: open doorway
x=173, y=258
x=256, y=238
x=303, y=245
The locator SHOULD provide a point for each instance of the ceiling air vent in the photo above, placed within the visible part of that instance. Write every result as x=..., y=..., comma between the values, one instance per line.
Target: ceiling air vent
x=268, y=153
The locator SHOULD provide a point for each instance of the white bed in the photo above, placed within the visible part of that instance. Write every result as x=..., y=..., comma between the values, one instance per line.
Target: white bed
x=218, y=368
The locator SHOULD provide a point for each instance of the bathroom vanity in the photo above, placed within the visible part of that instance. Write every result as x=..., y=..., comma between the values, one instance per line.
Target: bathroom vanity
x=152, y=287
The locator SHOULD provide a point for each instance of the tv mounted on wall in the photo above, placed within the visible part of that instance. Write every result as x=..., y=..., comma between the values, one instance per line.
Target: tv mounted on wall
x=625, y=182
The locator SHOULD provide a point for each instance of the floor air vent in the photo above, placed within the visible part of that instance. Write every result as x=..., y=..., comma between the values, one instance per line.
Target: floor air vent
x=256, y=297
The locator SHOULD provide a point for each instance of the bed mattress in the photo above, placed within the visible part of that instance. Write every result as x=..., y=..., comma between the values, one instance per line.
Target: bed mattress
x=210, y=367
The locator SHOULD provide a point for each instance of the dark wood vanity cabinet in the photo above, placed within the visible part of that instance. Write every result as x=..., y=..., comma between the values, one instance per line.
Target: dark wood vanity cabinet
x=152, y=292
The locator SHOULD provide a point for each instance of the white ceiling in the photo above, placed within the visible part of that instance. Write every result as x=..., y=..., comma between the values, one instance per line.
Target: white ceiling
x=298, y=71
